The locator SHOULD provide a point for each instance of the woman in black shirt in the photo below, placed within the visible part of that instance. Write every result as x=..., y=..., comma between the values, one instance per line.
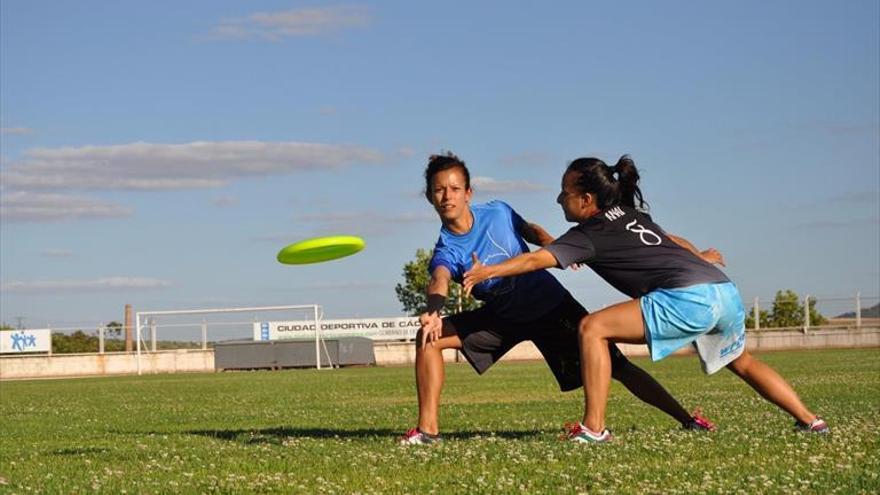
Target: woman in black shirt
x=679, y=297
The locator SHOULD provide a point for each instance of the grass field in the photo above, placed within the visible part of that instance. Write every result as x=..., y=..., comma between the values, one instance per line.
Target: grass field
x=307, y=431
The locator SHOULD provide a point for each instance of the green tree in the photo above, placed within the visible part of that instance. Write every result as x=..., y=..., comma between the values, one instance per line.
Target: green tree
x=411, y=293
x=816, y=318
x=763, y=315
x=80, y=341
x=787, y=311
x=77, y=341
x=113, y=330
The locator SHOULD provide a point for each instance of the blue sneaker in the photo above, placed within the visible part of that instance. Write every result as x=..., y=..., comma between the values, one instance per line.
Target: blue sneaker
x=581, y=434
x=818, y=425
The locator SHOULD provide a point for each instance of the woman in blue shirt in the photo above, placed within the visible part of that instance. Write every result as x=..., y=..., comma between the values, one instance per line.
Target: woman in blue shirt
x=532, y=306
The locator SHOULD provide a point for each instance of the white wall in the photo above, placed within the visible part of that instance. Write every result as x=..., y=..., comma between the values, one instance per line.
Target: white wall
x=390, y=353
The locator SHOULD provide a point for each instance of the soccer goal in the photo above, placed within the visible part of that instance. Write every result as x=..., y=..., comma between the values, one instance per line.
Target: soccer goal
x=193, y=325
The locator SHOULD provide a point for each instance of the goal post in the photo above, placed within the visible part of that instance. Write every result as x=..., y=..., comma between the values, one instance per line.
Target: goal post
x=144, y=318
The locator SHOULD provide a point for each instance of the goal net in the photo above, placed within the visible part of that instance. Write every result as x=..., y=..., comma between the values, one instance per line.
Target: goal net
x=196, y=328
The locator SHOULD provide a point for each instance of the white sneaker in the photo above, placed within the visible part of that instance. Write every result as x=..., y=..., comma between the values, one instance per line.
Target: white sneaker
x=416, y=436
x=818, y=425
x=581, y=434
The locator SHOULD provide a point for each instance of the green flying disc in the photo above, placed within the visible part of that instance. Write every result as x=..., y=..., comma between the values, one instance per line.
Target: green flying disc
x=320, y=249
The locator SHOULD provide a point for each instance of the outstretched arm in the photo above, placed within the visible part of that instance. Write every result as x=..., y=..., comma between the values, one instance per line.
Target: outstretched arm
x=524, y=263
x=430, y=321
x=710, y=255
x=535, y=234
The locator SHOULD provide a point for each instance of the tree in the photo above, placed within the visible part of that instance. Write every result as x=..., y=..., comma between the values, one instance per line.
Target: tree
x=411, y=293
x=113, y=330
x=77, y=341
x=763, y=315
x=816, y=318
x=787, y=311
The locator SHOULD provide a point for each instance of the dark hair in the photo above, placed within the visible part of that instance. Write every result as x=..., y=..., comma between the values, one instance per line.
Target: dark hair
x=441, y=162
x=598, y=178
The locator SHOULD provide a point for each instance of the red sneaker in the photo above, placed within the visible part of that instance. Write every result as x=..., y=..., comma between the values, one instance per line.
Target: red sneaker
x=699, y=422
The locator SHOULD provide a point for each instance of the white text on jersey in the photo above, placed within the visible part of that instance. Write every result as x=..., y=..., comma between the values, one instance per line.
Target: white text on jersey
x=614, y=213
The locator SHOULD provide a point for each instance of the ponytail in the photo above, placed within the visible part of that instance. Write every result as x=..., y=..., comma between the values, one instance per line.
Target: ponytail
x=628, y=183
x=596, y=177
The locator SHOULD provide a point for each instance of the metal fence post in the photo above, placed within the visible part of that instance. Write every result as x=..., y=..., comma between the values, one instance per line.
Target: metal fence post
x=757, y=315
x=204, y=334
x=100, y=338
x=806, y=314
x=858, y=310
x=153, y=333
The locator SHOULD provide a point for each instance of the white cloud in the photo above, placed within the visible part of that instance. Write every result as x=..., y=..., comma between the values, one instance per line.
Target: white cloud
x=406, y=152
x=224, y=201
x=858, y=197
x=363, y=223
x=278, y=238
x=94, y=285
x=420, y=217
x=336, y=217
x=529, y=159
x=15, y=130
x=490, y=185
x=337, y=286
x=148, y=166
x=275, y=26
x=837, y=224
x=358, y=217
x=23, y=206
x=56, y=253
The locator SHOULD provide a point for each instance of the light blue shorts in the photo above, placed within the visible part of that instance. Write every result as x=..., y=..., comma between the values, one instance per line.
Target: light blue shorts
x=709, y=316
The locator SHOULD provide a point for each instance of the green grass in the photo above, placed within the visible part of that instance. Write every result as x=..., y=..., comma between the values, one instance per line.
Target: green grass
x=307, y=431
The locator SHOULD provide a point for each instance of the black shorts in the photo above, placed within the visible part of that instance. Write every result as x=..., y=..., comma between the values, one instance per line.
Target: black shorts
x=485, y=337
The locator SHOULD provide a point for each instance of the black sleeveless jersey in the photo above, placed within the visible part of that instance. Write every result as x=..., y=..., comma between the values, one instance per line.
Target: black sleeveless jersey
x=632, y=253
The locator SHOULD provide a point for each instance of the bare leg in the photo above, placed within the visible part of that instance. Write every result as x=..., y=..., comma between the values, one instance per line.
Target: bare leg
x=622, y=323
x=430, y=375
x=767, y=382
x=649, y=390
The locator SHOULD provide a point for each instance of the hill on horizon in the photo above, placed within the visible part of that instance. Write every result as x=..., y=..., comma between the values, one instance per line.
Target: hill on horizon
x=872, y=312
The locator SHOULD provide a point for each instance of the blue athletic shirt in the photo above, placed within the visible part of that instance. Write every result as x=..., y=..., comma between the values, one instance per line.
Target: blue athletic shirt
x=495, y=237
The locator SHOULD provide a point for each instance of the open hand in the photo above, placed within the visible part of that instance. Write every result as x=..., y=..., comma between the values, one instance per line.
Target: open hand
x=713, y=256
x=477, y=274
x=432, y=328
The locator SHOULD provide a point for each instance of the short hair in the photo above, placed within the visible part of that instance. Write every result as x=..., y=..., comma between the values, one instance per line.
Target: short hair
x=440, y=162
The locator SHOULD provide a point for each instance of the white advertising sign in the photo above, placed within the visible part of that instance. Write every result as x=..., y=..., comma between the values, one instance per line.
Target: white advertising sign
x=16, y=341
x=373, y=328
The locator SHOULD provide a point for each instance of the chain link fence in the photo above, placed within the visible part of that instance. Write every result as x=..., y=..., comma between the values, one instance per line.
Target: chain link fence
x=785, y=311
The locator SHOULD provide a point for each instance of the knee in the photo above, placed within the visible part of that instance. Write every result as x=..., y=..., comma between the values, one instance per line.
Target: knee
x=587, y=328
x=584, y=326
x=741, y=365
x=419, y=348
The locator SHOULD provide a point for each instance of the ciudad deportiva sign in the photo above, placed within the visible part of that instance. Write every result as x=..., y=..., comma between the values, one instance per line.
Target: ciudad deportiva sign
x=372, y=328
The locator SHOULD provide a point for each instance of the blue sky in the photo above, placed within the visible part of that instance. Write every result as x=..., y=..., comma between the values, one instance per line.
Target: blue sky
x=161, y=153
